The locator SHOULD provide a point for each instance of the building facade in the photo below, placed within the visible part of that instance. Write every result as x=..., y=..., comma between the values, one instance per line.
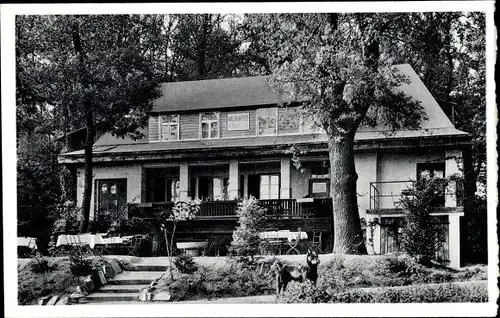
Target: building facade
x=227, y=139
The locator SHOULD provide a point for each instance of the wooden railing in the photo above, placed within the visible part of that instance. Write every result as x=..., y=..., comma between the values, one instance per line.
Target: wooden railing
x=218, y=208
x=274, y=208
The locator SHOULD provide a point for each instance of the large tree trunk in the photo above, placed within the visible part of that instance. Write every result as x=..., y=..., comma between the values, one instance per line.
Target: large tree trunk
x=202, y=49
x=348, y=237
x=89, y=124
x=87, y=191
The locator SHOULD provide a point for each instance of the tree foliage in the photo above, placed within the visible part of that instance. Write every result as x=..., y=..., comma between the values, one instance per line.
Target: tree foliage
x=422, y=235
x=334, y=65
x=246, y=236
x=87, y=69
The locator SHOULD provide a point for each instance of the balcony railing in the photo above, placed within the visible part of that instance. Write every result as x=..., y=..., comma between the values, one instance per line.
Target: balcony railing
x=278, y=208
x=389, y=194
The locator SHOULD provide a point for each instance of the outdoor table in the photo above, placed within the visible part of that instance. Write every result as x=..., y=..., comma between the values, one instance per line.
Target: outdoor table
x=292, y=238
x=29, y=242
x=84, y=239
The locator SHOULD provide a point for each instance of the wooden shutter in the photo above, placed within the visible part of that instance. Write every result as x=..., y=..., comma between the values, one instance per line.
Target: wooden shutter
x=154, y=131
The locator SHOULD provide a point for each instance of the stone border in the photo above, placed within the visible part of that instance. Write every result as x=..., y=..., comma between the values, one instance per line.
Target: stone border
x=146, y=294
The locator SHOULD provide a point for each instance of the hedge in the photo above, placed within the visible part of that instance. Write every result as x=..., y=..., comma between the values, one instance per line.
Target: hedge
x=430, y=293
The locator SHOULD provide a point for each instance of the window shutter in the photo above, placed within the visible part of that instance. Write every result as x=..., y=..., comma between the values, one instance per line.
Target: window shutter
x=154, y=131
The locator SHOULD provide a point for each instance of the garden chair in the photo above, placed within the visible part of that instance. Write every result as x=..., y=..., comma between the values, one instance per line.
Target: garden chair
x=317, y=242
x=133, y=244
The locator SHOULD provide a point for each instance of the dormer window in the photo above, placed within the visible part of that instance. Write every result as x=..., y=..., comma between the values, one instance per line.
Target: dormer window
x=209, y=125
x=267, y=121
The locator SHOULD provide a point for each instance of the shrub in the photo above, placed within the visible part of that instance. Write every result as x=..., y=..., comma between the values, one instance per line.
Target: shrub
x=227, y=281
x=57, y=280
x=447, y=292
x=131, y=226
x=422, y=235
x=67, y=220
x=246, y=239
x=80, y=266
x=39, y=265
x=185, y=264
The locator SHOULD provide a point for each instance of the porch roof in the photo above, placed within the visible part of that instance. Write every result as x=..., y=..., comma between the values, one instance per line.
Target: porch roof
x=371, y=139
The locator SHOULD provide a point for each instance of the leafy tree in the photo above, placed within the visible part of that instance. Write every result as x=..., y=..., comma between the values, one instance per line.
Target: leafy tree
x=92, y=70
x=334, y=64
x=447, y=49
x=202, y=48
x=182, y=211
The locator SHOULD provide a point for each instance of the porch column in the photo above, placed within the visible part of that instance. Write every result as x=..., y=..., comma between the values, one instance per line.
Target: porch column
x=453, y=166
x=184, y=181
x=454, y=239
x=233, y=180
x=285, y=178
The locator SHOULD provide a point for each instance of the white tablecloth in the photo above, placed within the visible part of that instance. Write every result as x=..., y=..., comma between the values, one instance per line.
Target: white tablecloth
x=85, y=239
x=27, y=241
x=290, y=236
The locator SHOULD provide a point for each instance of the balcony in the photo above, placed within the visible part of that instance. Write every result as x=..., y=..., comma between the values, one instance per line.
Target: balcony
x=275, y=209
x=386, y=197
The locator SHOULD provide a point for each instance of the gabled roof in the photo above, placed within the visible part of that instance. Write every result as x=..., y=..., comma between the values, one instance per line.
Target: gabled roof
x=215, y=93
x=255, y=91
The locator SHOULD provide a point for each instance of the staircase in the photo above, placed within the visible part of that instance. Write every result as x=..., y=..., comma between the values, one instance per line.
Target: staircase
x=125, y=287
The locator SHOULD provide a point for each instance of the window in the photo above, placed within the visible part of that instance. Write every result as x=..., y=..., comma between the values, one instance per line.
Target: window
x=319, y=183
x=209, y=125
x=433, y=170
x=165, y=189
x=430, y=170
x=288, y=120
x=267, y=121
x=269, y=187
x=390, y=231
x=111, y=197
x=169, y=127
x=164, y=128
x=307, y=125
x=220, y=188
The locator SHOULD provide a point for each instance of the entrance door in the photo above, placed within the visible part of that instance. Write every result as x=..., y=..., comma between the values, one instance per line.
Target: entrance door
x=254, y=185
x=111, y=197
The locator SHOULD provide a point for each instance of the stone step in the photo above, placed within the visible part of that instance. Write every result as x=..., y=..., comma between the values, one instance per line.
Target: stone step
x=122, y=288
x=135, y=277
x=109, y=297
x=147, y=268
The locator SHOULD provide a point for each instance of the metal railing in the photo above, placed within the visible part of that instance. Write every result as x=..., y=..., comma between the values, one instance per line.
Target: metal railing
x=389, y=194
